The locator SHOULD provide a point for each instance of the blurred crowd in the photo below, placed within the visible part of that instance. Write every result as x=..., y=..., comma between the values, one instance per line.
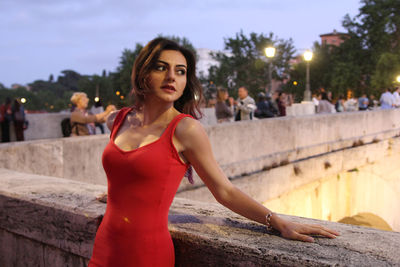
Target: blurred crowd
x=246, y=108
x=269, y=105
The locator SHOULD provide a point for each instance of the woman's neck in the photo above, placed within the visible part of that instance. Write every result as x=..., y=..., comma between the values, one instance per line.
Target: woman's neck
x=157, y=113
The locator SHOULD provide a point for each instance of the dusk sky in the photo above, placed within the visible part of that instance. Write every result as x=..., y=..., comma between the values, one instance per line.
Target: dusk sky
x=43, y=37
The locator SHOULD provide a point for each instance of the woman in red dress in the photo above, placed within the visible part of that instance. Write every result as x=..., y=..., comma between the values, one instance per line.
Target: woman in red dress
x=150, y=149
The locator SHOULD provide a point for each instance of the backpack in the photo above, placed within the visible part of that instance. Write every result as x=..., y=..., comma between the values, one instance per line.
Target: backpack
x=66, y=127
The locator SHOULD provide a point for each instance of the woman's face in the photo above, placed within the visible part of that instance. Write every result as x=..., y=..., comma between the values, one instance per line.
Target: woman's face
x=83, y=102
x=226, y=95
x=168, y=78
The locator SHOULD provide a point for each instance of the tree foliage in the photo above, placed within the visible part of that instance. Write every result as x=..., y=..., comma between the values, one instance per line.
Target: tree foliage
x=245, y=64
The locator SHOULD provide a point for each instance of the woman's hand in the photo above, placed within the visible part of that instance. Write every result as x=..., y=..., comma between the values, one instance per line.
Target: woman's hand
x=110, y=108
x=302, y=232
x=102, y=198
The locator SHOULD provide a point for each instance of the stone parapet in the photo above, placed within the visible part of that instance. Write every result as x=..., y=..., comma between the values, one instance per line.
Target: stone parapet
x=241, y=148
x=47, y=221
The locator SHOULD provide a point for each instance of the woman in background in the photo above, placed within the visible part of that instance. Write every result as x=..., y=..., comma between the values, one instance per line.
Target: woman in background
x=80, y=118
x=223, y=112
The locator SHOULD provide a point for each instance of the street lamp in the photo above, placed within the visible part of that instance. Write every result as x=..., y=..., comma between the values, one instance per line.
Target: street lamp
x=307, y=57
x=270, y=53
x=398, y=79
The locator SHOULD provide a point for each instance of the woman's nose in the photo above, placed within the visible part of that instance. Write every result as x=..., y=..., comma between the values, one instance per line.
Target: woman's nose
x=170, y=75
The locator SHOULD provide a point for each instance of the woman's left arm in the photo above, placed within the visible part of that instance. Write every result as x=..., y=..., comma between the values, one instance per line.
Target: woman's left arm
x=192, y=141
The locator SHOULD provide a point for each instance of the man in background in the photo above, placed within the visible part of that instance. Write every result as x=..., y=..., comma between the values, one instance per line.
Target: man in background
x=245, y=105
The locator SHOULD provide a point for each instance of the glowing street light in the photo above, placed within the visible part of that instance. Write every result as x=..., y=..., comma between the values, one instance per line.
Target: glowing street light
x=270, y=53
x=398, y=78
x=96, y=99
x=23, y=100
x=307, y=57
x=117, y=92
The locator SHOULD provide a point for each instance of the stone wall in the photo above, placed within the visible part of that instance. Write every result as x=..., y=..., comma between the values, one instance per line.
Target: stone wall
x=47, y=221
x=240, y=148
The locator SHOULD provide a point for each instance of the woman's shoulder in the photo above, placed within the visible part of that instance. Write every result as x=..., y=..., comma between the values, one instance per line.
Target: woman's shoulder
x=111, y=119
x=188, y=127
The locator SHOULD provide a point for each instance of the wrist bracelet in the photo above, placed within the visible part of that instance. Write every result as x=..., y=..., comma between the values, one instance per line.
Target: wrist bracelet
x=268, y=221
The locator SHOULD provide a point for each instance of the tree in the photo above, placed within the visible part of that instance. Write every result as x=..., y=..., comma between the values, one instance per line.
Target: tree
x=122, y=77
x=375, y=34
x=245, y=64
x=69, y=79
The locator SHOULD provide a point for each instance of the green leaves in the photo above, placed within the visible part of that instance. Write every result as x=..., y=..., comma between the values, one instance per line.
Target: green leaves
x=245, y=64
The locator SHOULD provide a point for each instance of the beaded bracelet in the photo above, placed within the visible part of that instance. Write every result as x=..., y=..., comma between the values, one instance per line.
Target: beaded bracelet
x=268, y=221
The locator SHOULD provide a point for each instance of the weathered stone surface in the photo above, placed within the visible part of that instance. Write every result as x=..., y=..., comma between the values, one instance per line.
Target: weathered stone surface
x=59, y=212
x=209, y=235
x=60, y=215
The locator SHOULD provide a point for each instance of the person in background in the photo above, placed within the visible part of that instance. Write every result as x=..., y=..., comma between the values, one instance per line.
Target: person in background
x=97, y=108
x=363, y=102
x=373, y=103
x=324, y=106
x=264, y=110
x=339, y=105
x=6, y=118
x=315, y=100
x=223, y=112
x=80, y=117
x=396, y=97
x=387, y=100
x=330, y=97
x=274, y=102
x=245, y=105
x=282, y=104
x=18, y=115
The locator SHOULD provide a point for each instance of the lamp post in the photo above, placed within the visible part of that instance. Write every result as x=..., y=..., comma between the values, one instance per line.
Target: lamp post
x=270, y=53
x=307, y=57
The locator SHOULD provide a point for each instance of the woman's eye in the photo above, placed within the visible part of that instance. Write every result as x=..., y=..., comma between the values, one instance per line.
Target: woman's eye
x=160, y=67
x=181, y=72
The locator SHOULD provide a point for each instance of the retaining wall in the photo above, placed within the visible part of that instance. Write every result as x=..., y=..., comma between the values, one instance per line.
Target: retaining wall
x=47, y=221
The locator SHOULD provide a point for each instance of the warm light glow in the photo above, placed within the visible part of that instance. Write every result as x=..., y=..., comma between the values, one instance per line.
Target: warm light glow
x=398, y=79
x=117, y=92
x=96, y=99
x=122, y=97
x=295, y=83
x=270, y=51
x=308, y=55
x=23, y=100
x=51, y=107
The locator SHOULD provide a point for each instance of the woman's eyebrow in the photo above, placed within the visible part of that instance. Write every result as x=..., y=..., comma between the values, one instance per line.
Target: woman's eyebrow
x=166, y=63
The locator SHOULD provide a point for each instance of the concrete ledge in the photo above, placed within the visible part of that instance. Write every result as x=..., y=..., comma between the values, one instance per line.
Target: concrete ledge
x=58, y=217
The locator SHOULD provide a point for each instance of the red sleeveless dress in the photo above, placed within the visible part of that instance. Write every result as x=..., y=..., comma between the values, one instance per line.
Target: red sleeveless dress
x=141, y=186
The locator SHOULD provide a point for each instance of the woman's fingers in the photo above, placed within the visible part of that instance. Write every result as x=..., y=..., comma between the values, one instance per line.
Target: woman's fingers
x=301, y=232
x=297, y=236
x=324, y=229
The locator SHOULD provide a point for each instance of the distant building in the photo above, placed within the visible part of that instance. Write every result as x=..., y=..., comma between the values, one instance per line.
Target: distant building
x=335, y=38
x=17, y=85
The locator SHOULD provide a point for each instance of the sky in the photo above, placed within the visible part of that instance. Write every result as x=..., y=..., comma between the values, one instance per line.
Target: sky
x=43, y=37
